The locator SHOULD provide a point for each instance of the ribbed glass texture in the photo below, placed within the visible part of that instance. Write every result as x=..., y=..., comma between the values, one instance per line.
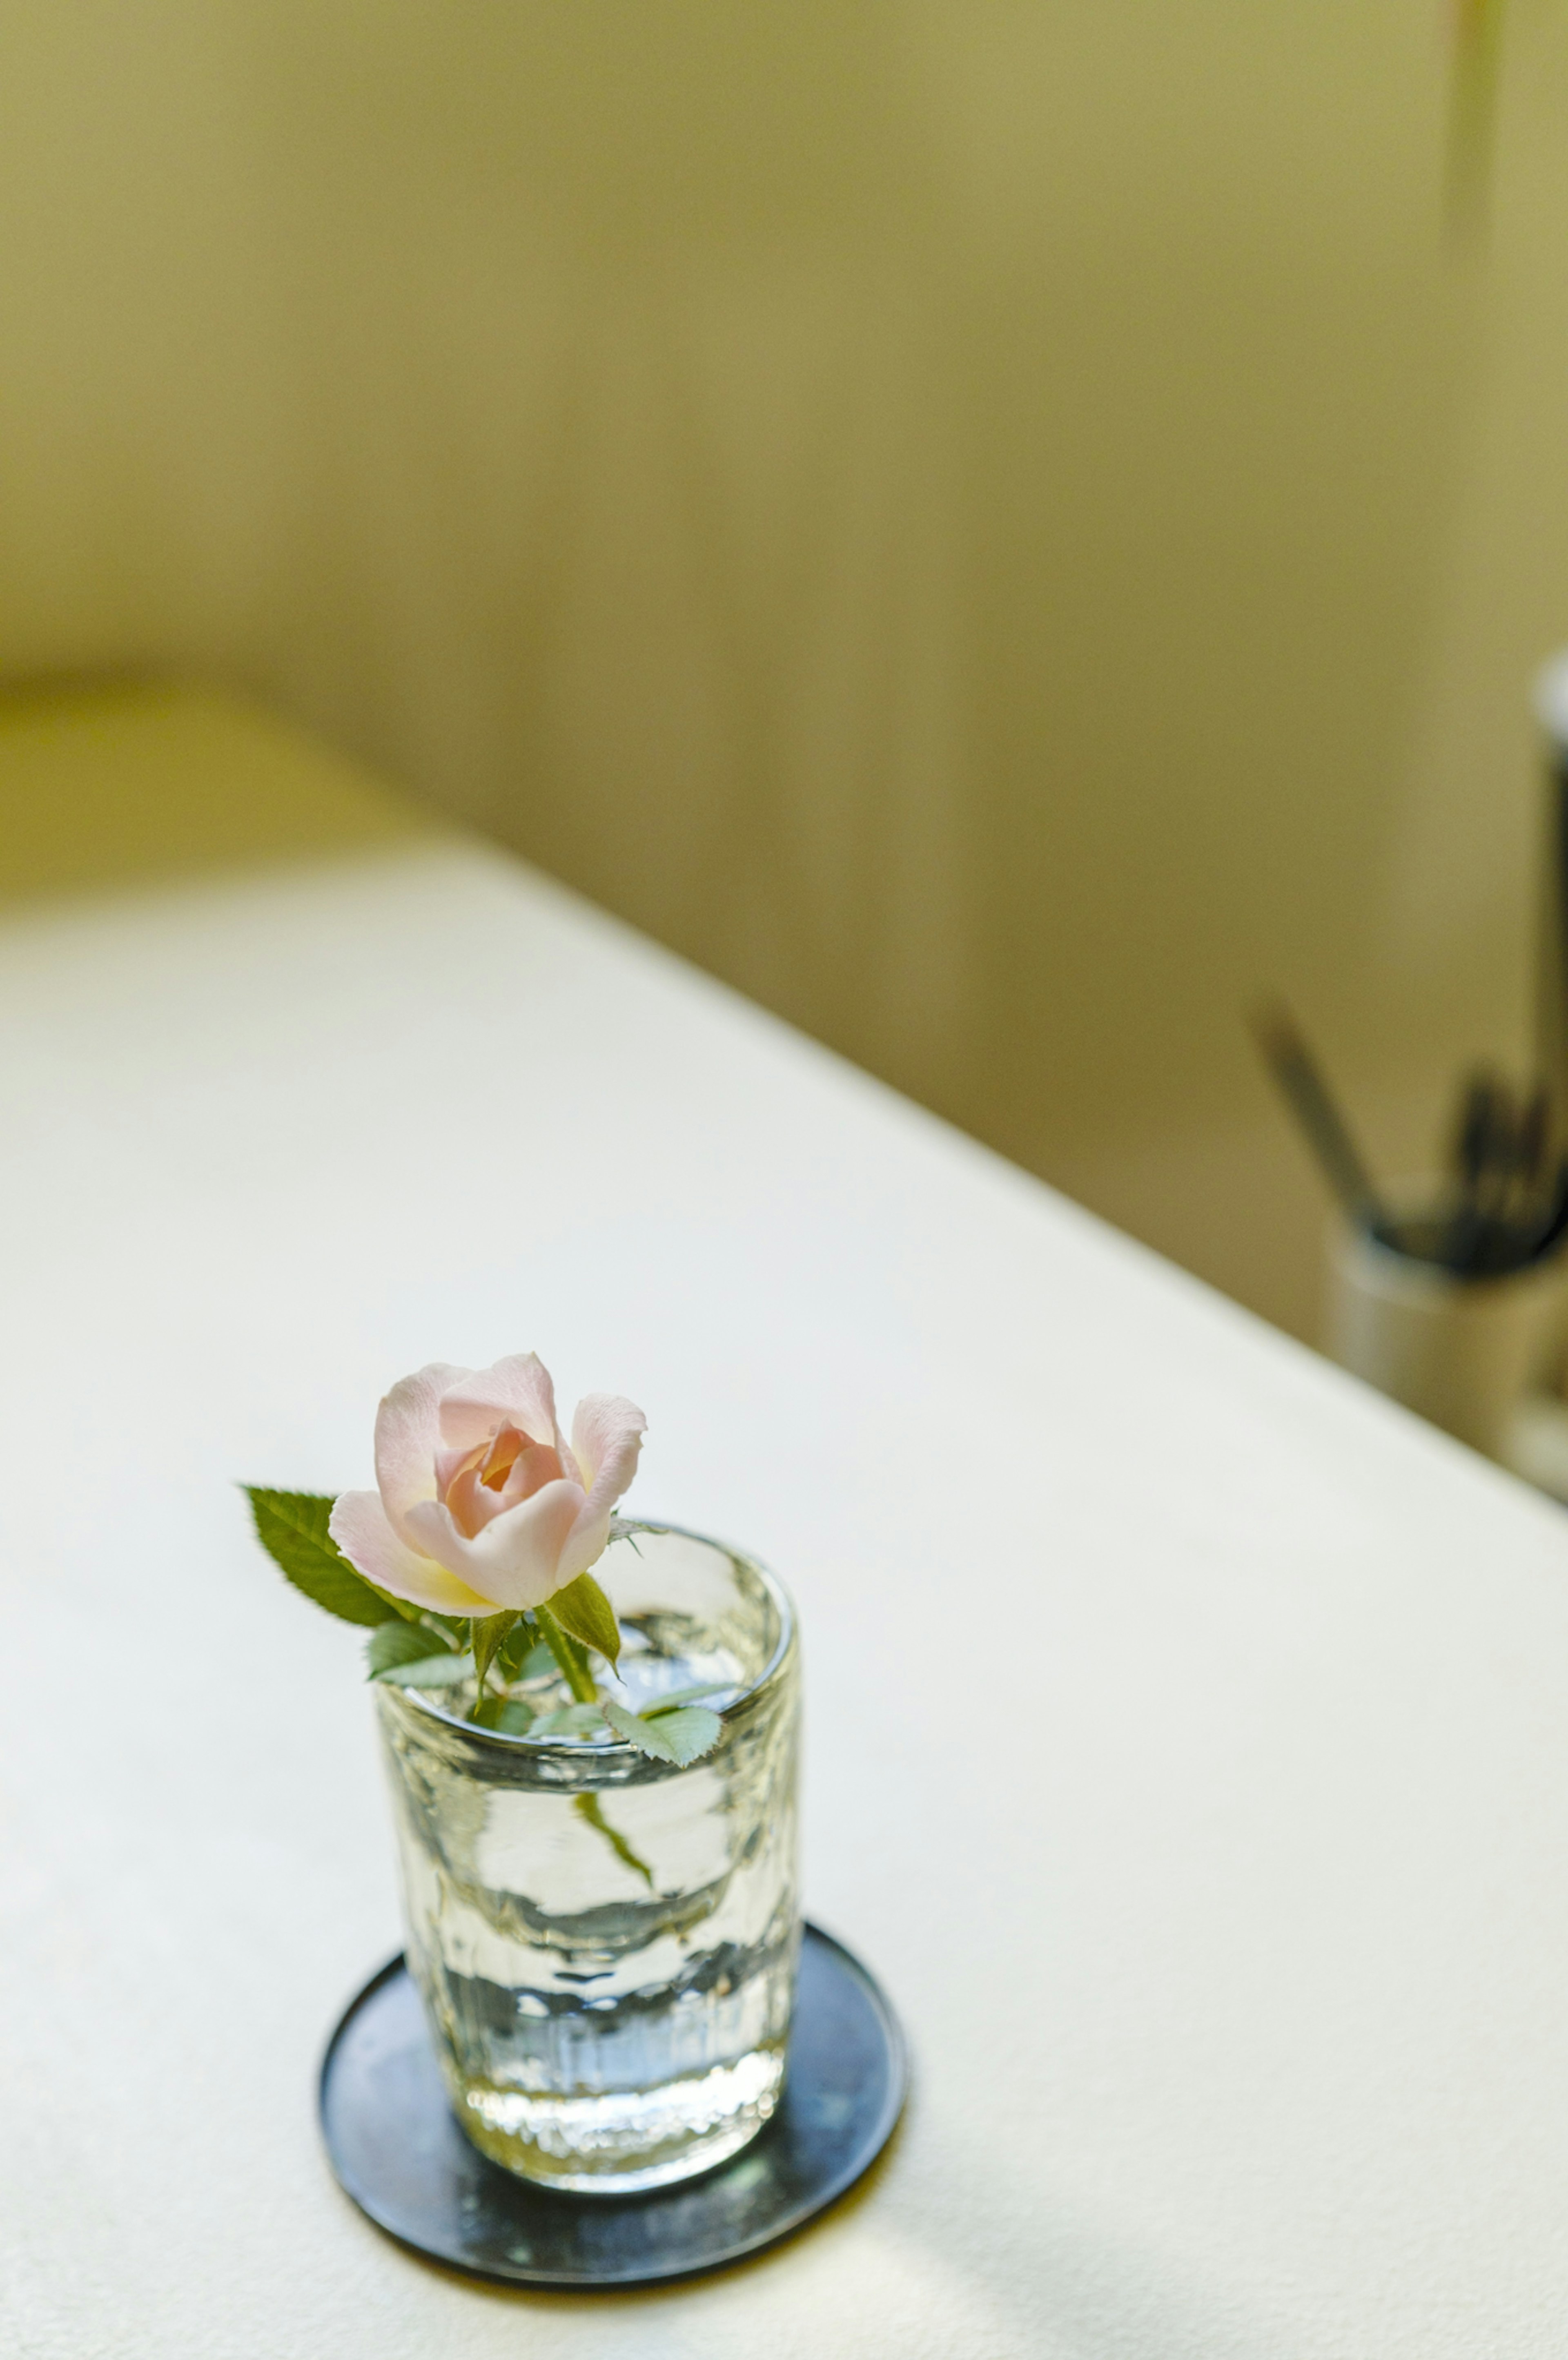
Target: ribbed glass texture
x=606, y=1944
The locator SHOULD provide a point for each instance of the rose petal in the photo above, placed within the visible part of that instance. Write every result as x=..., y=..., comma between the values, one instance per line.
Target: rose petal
x=473, y=1505
x=521, y=1558
x=586, y=1542
x=527, y=1467
x=516, y=1391
x=450, y=1464
x=408, y=1431
x=607, y=1436
x=358, y=1523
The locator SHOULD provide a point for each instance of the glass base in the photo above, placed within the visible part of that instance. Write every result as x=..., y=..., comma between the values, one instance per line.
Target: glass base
x=622, y=2141
x=393, y=2137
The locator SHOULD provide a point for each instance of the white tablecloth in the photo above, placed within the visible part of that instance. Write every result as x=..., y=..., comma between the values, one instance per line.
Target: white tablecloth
x=1188, y=1729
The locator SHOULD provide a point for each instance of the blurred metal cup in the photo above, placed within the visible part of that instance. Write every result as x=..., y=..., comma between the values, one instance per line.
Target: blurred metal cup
x=1465, y=1352
x=1551, y=927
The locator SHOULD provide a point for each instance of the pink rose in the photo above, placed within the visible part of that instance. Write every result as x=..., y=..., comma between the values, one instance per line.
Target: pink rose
x=481, y=1507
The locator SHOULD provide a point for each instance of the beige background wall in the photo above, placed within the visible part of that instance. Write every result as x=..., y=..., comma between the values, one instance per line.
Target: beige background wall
x=1002, y=528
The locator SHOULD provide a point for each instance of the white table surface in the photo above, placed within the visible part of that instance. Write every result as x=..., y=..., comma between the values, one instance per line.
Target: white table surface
x=1188, y=1729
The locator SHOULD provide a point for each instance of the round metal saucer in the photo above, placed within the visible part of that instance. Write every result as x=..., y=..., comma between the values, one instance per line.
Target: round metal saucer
x=396, y=2148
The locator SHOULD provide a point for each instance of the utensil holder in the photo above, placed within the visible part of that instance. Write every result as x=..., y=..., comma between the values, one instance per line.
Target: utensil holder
x=1464, y=1352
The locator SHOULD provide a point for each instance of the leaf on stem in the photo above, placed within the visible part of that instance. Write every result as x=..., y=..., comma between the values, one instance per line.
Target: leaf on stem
x=680, y=1736
x=428, y=1671
x=488, y=1634
x=522, y=1651
x=582, y=1609
x=293, y=1528
x=398, y=1643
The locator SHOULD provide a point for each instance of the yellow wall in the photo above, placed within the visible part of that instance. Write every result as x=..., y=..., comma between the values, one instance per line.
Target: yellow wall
x=998, y=527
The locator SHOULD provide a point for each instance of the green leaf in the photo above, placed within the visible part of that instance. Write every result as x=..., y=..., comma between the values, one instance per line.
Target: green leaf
x=508, y=1714
x=681, y=1736
x=515, y=1655
x=569, y=1721
x=450, y=1627
x=582, y=1609
x=692, y=1730
x=398, y=1643
x=677, y=1696
x=637, y=1732
x=293, y=1528
x=488, y=1635
x=428, y=1671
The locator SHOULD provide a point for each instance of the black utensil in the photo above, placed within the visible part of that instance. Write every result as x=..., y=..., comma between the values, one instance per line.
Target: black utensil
x=1298, y=1074
x=1483, y=1159
x=1471, y=1139
x=1531, y=1178
x=1552, y=1227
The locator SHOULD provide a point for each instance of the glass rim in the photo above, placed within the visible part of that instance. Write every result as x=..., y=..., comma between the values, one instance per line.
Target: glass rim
x=577, y=1749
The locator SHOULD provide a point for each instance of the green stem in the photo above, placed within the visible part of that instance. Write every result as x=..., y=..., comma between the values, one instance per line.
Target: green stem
x=573, y=1670
x=589, y=1805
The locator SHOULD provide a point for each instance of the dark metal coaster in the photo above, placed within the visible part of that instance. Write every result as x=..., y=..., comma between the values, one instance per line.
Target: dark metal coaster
x=396, y=2148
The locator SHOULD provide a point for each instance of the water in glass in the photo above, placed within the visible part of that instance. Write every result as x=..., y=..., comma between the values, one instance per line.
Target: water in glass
x=606, y=1944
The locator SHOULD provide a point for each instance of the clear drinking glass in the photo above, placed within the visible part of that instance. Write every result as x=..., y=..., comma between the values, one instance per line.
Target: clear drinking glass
x=606, y=1944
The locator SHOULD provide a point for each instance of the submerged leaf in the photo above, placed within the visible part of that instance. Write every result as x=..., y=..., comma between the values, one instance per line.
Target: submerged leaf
x=680, y=1736
x=508, y=1714
x=293, y=1528
x=677, y=1696
x=636, y=1732
x=582, y=1609
x=692, y=1730
x=569, y=1721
